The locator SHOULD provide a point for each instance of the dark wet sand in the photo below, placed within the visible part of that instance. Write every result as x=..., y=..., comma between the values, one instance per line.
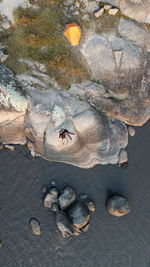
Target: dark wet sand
x=110, y=241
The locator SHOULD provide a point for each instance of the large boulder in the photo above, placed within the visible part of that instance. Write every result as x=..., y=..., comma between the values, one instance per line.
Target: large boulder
x=95, y=139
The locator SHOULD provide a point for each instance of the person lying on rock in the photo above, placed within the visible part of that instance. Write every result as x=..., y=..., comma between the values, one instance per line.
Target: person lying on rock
x=64, y=133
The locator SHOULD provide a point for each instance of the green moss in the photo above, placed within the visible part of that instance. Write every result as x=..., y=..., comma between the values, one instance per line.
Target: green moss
x=38, y=35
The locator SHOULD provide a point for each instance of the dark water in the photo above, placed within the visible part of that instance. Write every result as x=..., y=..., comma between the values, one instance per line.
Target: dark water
x=110, y=241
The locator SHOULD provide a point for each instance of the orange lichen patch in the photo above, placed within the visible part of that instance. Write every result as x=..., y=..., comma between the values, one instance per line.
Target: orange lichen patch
x=73, y=33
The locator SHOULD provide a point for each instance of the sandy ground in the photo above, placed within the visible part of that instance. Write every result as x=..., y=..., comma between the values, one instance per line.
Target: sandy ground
x=110, y=241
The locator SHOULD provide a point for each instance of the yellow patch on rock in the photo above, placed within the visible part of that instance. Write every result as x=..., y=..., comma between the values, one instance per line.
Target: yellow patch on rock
x=73, y=33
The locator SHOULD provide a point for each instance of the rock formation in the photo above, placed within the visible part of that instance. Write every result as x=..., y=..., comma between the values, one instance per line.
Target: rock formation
x=34, y=108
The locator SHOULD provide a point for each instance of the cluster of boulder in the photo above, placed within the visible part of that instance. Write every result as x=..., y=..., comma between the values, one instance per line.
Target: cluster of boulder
x=72, y=214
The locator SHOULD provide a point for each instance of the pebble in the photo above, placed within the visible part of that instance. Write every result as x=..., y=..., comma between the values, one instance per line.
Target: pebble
x=51, y=198
x=85, y=17
x=83, y=196
x=113, y=11
x=35, y=227
x=123, y=156
x=99, y=12
x=67, y=197
x=91, y=206
x=10, y=147
x=131, y=131
x=118, y=206
x=53, y=183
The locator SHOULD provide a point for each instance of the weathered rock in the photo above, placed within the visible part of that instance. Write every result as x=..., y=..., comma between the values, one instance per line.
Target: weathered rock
x=35, y=227
x=51, y=198
x=118, y=206
x=64, y=224
x=67, y=197
x=79, y=215
x=131, y=131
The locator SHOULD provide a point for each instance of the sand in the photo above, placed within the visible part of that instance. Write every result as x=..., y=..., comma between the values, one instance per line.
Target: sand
x=109, y=242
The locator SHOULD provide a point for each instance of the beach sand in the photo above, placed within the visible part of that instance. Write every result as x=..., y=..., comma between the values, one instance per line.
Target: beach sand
x=109, y=242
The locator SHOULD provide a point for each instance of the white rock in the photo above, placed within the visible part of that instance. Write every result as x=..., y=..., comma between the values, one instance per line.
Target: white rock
x=99, y=12
x=131, y=131
x=107, y=7
x=113, y=11
x=123, y=156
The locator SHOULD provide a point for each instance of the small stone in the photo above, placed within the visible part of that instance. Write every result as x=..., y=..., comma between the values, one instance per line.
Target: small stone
x=83, y=196
x=90, y=205
x=1, y=147
x=10, y=147
x=79, y=215
x=53, y=183
x=113, y=11
x=51, y=198
x=131, y=131
x=99, y=12
x=107, y=7
x=123, y=156
x=85, y=228
x=118, y=206
x=35, y=227
x=118, y=57
x=67, y=197
x=64, y=224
